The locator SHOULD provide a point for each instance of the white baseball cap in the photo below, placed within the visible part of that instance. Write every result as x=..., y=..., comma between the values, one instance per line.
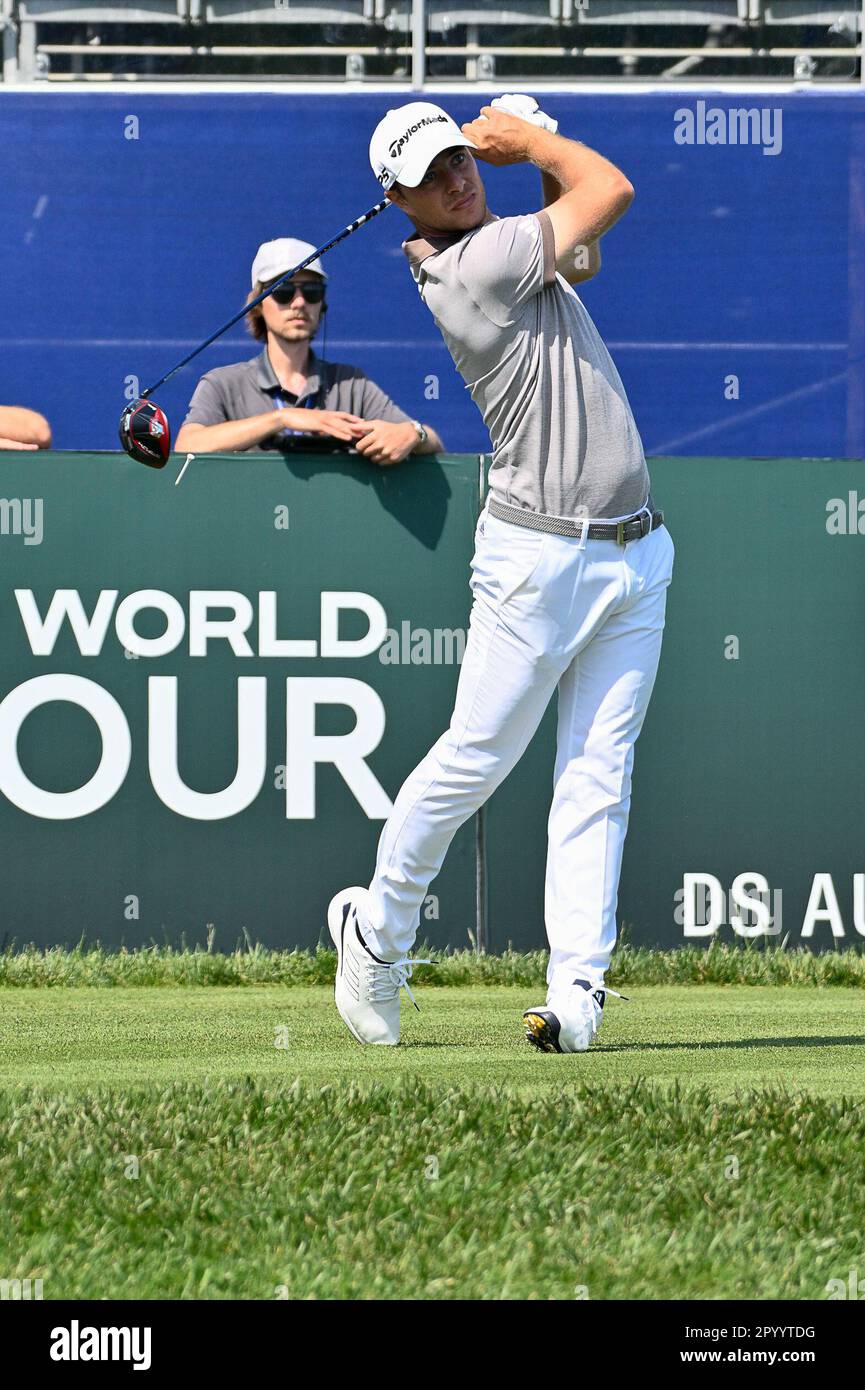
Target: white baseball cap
x=407, y=140
x=276, y=258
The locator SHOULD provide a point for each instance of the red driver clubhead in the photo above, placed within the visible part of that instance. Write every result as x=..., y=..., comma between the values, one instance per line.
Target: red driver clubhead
x=145, y=433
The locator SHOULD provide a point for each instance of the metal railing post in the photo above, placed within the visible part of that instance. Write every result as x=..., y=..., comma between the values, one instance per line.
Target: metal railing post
x=418, y=45
x=481, y=916
x=10, y=50
x=480, y=882
x=26, y=50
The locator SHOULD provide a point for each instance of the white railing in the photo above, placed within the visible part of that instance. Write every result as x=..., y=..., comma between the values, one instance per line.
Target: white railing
x=418, y=42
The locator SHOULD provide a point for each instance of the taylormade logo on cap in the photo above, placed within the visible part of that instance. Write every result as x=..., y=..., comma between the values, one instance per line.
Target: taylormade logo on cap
x=407, y=140
x=396, y=145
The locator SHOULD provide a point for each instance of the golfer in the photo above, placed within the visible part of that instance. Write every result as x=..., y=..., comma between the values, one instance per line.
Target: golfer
x=571, y=564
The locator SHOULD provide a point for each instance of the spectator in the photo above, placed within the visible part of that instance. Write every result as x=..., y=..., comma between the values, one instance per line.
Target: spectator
x=288, y=397
x=23, y=429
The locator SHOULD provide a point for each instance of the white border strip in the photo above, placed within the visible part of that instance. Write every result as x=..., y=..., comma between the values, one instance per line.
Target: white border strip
x=419, y=344
x=115, y=86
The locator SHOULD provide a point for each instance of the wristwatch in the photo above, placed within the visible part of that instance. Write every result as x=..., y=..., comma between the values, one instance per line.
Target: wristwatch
x=421, y=432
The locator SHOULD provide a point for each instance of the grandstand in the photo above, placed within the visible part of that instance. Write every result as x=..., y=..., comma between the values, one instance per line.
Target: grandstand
x=432, y=41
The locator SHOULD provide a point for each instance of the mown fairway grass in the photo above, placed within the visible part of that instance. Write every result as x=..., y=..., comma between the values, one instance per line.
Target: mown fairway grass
x=724, y=1037
x=710, y=1145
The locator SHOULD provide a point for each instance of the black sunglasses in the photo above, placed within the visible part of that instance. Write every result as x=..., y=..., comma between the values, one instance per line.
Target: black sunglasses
x=312, y=291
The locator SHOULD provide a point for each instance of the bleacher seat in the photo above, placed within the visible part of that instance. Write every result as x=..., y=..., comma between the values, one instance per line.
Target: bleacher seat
x=658, y=13
x=76, y=12
x=804, y=11
x=442, y=16
x=288, y=12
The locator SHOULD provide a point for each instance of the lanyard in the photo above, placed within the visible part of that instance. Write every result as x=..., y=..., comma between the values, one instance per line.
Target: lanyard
x=307, y=404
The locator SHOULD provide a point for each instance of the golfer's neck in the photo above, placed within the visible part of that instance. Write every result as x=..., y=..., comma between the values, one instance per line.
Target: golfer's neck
x=288, y=359
x=425, y=230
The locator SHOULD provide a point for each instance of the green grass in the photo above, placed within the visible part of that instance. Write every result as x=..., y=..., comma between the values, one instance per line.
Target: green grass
x=431, y=1192
x=709, y=1146
x=748, y=963
x=726, y=1038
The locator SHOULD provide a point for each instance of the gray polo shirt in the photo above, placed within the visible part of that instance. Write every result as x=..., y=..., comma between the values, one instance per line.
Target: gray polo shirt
x=564, y=440
x=251, y=388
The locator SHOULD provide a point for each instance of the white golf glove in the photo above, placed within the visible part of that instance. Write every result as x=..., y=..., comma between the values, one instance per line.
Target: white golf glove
x=527, y=109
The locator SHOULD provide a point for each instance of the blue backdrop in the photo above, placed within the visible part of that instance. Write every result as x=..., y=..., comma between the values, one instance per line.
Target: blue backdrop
x=119, y=254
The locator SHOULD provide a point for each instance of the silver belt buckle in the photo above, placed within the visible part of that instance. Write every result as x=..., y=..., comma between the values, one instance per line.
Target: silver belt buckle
x=620, y=532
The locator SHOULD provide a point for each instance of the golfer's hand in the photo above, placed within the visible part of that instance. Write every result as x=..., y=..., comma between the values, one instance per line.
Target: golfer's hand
x=338, y=424
x=500, y=138
x=387, y=443
x=516, y=104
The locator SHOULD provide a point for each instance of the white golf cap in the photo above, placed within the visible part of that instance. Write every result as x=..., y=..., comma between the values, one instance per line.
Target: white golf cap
x=276, y=258
x=407, y=140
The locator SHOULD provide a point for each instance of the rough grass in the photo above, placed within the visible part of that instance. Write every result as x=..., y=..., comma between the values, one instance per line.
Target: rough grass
x=236, y=1189
x=750, y=963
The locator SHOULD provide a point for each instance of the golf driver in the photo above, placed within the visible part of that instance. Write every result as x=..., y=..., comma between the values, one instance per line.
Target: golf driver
x=144, y=430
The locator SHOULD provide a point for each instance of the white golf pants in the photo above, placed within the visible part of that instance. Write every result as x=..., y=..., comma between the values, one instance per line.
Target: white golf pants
x=585, y=618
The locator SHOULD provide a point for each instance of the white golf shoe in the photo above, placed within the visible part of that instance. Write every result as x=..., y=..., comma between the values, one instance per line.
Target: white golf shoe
x=570, y=1021
x=367, y=989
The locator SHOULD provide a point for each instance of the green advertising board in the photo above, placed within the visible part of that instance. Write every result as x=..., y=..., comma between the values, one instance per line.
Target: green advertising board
x=309, y=560
x=748, y=762
x=211, y=693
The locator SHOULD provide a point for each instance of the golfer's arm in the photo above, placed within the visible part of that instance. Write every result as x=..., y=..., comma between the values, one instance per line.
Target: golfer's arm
x=229, y=436
x=593, y=193
x=582, y=262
